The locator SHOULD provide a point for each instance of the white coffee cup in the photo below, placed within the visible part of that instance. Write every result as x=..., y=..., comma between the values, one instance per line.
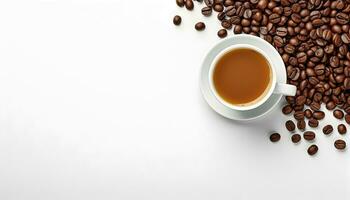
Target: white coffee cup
x=273, y=88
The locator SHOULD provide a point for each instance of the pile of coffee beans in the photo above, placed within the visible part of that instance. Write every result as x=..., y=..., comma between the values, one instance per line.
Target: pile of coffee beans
x=312, y=37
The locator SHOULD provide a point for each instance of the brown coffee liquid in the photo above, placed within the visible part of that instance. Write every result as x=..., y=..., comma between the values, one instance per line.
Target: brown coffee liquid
x=242, y=76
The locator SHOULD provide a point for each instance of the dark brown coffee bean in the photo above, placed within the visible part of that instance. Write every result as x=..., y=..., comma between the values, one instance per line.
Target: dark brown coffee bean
x=342, y=18
x=275, y=137
x=180, y=3
x=290, y=125
x=230, y=11
x=289, y=49
x=328, y=129
x=296, y=138
x=206, y=11
x=275, y=18
x=281, y=31
x=200, y=26
x=299, y=115
x=209, y=3
x=221, y=16
x=312, y=150
x=308, y=113
x=287, y=109
x=318, y=115
x=226, y=24
x=342, y=129
x=237, y=29
x=345, y=37
x=218, y=7
x=309, y=135
x=177, y=20
x=313, y=123
x=245, y=22
x=300, y=100
x=301, y=125
x=347, y=118
x=262, y=4
x=222, y=33
x=315, y=106
x=189, y=4
x=338, y=114
x=340, y=144
x=330, y=105
x=247, y=14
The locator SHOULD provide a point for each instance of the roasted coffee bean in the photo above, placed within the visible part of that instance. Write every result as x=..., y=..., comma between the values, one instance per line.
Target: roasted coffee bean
x=180, y=3
x=309, y=135
x=312, y=150
x=226, y=24
x=275, y=137
x=177, y=20
x=342, y=129
x=347, y=118
x=345, y=37
x=340, y=144
x=221, y=16
x=222, y=33
x=313, y=123
x=308, y=113
x=301, y=125
x=290, y=125
x=330, y=105
x=300, y=100
x=315, y=106
x=275, y=18
x=342, y=18
x=299, y=115
x=189, y=4
x=247, y=14
x=328, y=129
x=209, y=3
x=318, y=115
x=200, y=26
x=338, y=114
x=296, y=138
x=237, y=29
x=287, y=109
x=206, y=11
x=218, y=7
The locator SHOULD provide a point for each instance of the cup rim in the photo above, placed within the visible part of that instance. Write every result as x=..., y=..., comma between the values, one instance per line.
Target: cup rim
x=248, y=107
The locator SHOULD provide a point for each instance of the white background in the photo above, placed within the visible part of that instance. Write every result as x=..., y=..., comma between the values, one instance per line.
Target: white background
x=100, y=100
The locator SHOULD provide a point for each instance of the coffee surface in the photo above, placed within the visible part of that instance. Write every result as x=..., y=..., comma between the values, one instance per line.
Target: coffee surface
x=242, y=76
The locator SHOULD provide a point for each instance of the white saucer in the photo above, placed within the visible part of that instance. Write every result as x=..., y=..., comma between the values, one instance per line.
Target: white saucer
x=234, y=114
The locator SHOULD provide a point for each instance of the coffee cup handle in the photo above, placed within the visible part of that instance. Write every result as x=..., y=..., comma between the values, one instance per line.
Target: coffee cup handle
x=285, y=89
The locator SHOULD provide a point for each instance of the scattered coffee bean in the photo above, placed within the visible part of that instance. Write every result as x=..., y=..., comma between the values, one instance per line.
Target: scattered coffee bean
x=301, y=125
x=275, y=137
x=180, y=3
x=308, y=113
x=287, y=109
x=340, y=144
x=347, y=118
x=290, y=126
x=313, y=122
x=338, y=114
x=177, y=20
x=312, y=150
x=342, y=129
x=328, y=129
x=318, y=115
x=299, y=115
x=309, y=135
x=200, y=26
x=296, y=138
x=206, y=11
x=222, y=33
x=189, y=4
